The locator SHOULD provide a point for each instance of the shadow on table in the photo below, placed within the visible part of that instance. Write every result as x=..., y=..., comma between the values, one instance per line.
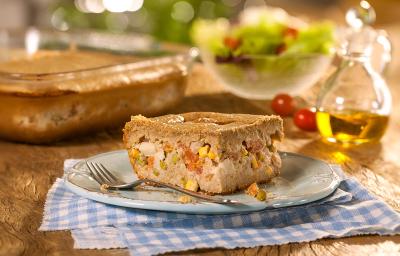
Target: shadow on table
x=352, y=158
x=221, y=102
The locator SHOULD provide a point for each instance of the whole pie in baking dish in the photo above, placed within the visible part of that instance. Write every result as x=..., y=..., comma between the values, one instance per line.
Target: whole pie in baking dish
x=51, y=94
x=212, y=152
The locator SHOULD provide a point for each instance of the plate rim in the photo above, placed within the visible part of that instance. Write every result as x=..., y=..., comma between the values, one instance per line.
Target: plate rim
x=201, y=207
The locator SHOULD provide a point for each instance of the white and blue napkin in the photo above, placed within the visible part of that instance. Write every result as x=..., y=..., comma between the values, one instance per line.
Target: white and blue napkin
x=349, y=211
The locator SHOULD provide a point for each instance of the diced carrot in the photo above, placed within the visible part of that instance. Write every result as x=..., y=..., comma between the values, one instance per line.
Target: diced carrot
x=192, y=160
x=150, y=162
x=168, y=148
x=252, y=189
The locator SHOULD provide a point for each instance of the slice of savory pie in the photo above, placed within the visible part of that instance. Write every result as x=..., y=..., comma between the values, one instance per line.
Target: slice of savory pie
x=214, y=152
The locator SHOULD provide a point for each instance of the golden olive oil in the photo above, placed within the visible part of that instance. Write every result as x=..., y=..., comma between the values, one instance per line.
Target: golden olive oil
x=351, y=127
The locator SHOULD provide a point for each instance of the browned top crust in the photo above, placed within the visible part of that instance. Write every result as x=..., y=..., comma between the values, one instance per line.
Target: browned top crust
x=46, y=62
x=54, y=73
x=198, y=125
x=209, y=122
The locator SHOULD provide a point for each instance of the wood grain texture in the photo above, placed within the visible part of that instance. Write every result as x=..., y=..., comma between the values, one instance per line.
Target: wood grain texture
x=28, y=171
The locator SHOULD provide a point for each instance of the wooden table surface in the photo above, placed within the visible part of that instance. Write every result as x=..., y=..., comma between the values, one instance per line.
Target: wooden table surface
x=28, y=171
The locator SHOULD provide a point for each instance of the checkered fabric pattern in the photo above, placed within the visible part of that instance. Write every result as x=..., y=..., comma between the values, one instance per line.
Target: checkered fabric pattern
x=351, y=210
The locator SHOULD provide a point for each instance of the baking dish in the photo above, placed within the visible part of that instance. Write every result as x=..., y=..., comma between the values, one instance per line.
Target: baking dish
x=55, y=85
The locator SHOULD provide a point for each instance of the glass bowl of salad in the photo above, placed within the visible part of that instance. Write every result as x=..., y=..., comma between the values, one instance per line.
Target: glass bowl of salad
x=265, y=53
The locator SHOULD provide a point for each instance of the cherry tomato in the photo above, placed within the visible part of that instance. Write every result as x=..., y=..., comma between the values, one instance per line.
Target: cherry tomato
x=283, y=104
x=281, y=48
x=290, y=32
x=231, y=43
x=305, y=119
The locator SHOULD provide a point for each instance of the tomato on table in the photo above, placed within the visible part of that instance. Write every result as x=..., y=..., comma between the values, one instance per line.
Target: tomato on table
x=283, y=104
x=305, y=119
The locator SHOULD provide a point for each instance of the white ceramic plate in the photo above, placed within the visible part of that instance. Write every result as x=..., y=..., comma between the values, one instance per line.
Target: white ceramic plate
x=302, y=180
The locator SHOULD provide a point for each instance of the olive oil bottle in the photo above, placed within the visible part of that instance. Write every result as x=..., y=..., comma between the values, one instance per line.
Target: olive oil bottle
x=351, y=127
x=354, y=104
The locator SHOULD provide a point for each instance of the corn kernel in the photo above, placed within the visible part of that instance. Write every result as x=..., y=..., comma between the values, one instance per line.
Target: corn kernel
x=245, y=152
x=140, y=161
x=261, y=195
x=175, y=158
x=192, y=185
x=269, y=171
x=211, y=155
x=135, y=153
x=203, y=151
x=260, y=156
x=163, y=165
x=254, y=162
x=155, y=172
x=183, y=181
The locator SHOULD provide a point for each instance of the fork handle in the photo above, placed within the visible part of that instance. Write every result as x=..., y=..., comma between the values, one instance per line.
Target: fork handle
x=176, y=188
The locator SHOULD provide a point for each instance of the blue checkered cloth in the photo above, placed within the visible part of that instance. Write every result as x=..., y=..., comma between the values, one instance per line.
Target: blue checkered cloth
x=351, y=210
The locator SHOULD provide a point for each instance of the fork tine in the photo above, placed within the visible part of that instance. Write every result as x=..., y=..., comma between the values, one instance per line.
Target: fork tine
x=106, y=171
x=100, y=173
x=93, y=171
x=104, y=174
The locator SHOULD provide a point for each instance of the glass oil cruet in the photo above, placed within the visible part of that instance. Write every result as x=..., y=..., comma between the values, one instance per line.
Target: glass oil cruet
x=354, y=104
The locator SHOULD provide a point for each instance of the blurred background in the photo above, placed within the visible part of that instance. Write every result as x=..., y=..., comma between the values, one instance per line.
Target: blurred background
x=166, y=20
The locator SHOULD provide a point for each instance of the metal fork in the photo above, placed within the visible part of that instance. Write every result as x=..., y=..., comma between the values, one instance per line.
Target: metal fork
x=104, y=177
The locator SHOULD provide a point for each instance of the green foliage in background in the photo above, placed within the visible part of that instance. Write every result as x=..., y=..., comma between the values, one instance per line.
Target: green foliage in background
x=159, y=21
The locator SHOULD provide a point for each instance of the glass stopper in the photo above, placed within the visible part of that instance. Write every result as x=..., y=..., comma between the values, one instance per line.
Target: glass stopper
x=364, y=14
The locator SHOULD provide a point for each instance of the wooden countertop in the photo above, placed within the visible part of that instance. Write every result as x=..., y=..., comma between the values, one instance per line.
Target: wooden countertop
x=28, y=171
